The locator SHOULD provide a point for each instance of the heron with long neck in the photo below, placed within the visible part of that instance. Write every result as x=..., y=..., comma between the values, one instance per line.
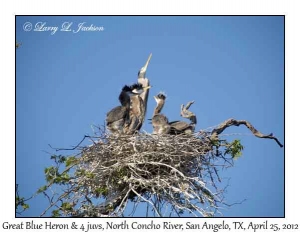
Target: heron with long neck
x=139, y=102
x=160, y=122
x=179, y=127
x=118, y=117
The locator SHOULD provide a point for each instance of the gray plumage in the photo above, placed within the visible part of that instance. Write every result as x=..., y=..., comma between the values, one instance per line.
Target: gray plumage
x=179, y=127
x=118, y=117
x=160, y=122
x=139, y=102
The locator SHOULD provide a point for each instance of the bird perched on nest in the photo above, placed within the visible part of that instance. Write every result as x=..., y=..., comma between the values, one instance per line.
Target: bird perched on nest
x=160, y=122
x=179, y=127
x=118, y=117
x=139, y=102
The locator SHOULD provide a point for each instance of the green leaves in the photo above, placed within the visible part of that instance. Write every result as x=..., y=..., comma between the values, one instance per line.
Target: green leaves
x=66, y=206
x=20, y=202
x=58, y=158
x=71, y=161
x=42, y=189
x=25, y=206
x=234, y=149
x=52, y=175
x=101, y=191
x=80, y=172
x=55, y=214
x=62, y=178
x=90, y=175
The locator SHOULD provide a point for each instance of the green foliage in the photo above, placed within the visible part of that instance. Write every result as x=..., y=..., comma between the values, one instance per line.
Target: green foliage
x=62, y=178
x=71, y=161
x=42, y=189
x=215, y=142
x=80, y=172
x=52, y=175
x=55, y=214
x=119, y=176
x=58, y=158
x=66, y=206
x=20, y=202
x=234, y=149
x=101, y=191
x=25, y=206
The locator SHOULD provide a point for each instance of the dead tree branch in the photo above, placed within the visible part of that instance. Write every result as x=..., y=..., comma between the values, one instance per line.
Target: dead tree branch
x=233, y=122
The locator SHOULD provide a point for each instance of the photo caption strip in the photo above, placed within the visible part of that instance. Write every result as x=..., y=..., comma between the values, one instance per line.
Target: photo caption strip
x=93, y=225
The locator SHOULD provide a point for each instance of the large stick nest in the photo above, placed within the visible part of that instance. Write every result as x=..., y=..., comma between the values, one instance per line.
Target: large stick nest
x=178, y=172
x=143, y=165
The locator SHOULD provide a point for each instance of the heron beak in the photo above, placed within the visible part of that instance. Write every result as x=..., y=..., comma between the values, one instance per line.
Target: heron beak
x=146, y=88
x=147, y=62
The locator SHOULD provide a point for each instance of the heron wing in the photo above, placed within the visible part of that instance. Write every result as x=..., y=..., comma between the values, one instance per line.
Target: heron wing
x=179, y=125
x=116, y=114
x=159, y=119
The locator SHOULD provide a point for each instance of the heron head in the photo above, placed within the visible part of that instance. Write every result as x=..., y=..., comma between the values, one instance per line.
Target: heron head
x=137, y=89
x=160, y=98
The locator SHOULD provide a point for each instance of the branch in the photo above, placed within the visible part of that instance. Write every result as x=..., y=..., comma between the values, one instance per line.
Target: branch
x=113, y=202
x=231, y=122
x=74, y=148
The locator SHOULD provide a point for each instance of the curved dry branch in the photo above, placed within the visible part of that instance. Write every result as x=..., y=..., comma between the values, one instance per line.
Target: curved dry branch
x=232, y=122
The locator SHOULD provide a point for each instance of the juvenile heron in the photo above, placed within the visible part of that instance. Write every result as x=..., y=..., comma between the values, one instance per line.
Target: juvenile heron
x=179, y=127
x=160, y=122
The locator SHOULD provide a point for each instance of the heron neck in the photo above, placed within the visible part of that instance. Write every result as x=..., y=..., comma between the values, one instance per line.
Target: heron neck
x=137, y=106
x=193, y=119
x=158, y=108
x=142, y=75
x=145, y=82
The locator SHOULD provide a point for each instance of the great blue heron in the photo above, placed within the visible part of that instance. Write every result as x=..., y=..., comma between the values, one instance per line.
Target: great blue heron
x=119, y=116
x=139, y=102
x=179, y=127
x=160, y=122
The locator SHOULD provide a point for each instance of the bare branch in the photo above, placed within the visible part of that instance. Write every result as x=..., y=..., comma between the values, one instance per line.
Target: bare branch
x=230, y=122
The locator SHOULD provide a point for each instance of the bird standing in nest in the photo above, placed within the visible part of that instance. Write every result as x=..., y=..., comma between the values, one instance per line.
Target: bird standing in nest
x=139, y=102
x=160, y=122
x=118, y=117
x=179, y=127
